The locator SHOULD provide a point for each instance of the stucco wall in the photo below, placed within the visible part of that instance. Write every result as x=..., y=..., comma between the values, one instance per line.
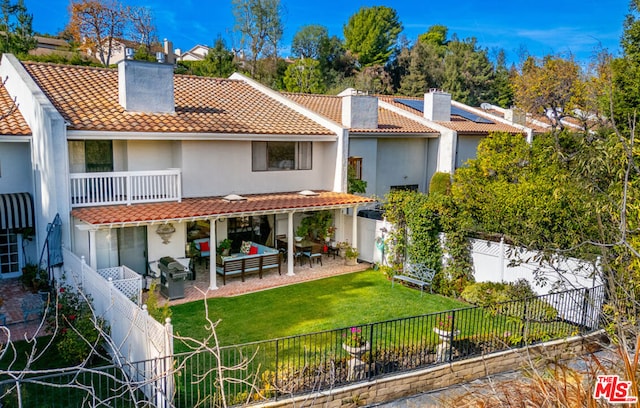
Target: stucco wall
x=16, y=173
x=224, y=167
x=467, y=148
x=401, y=162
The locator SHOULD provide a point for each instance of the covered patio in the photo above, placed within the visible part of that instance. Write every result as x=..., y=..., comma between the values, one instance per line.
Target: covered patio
x=102, y=229
x=199, y=288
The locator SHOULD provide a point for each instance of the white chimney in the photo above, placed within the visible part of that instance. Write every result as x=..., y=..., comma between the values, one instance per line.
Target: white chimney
x=359, y=111
x=515, y=116
x=145, y=86
x=437, y=106
x=168, y=51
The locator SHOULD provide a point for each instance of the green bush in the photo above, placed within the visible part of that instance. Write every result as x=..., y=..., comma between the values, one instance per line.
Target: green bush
x=76, y=330
x=490, y=293
x=440, y=183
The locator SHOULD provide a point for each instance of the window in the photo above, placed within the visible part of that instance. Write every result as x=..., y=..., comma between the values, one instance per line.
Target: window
x=276, y=156
x=90, y=156
x=355, y=165
x=9, y=255
x=407, y=187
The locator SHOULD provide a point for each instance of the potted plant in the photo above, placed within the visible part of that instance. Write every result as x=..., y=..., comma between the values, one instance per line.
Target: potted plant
x=224, y=246
x=444, y=328
x=302, y=231
x=29, y=275
x=354, y=343
x=350, y=253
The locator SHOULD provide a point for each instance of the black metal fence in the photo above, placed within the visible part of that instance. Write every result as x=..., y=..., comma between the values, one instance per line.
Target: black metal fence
x=296, y=365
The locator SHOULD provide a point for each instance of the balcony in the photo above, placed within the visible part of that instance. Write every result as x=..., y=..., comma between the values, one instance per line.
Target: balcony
x=125, y=187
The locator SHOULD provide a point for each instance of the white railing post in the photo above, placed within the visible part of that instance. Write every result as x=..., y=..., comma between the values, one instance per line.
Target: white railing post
x=83, y=263
x=128, y=188
x=111, y=301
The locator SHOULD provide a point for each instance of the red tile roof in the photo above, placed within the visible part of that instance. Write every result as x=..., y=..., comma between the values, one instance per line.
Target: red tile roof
x=12, y=122
x=457, y=123
x=87, y=97
x=330, y=106
x=207, y=207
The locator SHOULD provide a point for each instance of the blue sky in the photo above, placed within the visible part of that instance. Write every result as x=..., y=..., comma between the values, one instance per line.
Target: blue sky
x=576, y=26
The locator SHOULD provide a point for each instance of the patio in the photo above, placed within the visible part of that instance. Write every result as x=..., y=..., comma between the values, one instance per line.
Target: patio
x=194, y=290
x=13, y=293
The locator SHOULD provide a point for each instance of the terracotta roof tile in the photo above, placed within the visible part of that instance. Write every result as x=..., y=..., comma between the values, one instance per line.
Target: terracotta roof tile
x=457, y=123
x=87, y=98
x=192, y=208
x=331, y=107
x=14, y=123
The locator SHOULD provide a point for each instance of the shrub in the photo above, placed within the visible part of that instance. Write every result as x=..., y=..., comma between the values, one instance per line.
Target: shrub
x=76, y=330
x=490, y=293
x=160, y=313
x=440, y=183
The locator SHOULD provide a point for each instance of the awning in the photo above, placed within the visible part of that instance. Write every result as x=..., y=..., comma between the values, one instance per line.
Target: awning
x=16, y=211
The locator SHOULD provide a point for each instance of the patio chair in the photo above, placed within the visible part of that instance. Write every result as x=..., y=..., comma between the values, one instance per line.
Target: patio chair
x=202, y=245
x=314, y=253
x=281, y=245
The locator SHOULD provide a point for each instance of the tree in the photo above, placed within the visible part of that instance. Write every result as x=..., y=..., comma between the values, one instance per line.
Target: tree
x=374, y=79
x=468, y=73
x=304, y=76
x=552, y=87
x=436, y=36
x=96, y=24
x=425, y=70
x=308, y=41
x=143, y=30
x=259, y=23
x=371, y=34
x=502, y=84
x=16, y=26
x=220, y=58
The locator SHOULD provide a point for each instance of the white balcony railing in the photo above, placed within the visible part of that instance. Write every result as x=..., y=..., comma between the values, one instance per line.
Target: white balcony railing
x=125, y=187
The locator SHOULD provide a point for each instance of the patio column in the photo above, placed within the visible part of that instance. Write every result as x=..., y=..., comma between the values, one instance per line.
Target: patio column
x=212, y=254
x=93, y=261
x=290, y=258
x=354, y=228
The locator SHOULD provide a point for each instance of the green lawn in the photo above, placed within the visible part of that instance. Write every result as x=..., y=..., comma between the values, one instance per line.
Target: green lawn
x=330, y=303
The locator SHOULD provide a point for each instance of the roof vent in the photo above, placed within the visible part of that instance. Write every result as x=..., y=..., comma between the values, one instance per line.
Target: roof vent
x=308, y=193
x=128, y=53
x=234, y=197
x=160, y=57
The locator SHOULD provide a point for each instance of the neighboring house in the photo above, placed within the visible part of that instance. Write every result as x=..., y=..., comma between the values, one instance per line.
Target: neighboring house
x=123, y=155
x=17, y=221
x=197, y=53
x=119, y=50
x=397, y=143
x=539, y=124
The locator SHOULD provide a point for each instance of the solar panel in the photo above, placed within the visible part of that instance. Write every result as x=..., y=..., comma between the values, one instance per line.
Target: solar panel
x=412, y=103
x=419, y=106
x=468, y=115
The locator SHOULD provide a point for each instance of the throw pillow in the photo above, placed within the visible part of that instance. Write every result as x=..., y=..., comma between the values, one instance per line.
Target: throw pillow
x=204, y=246
x=245, y=247
x=253, y=250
